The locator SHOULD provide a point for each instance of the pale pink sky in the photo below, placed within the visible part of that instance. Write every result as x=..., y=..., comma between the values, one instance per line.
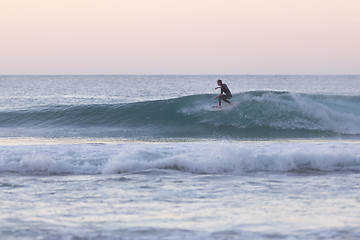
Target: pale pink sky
x=180, y=37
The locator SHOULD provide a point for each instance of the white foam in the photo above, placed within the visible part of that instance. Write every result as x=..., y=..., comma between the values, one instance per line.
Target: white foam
x=319, y=116
x=332, y=120
x=194, y=157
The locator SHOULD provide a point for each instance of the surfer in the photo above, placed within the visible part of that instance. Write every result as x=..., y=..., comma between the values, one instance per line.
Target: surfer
x=221, y=96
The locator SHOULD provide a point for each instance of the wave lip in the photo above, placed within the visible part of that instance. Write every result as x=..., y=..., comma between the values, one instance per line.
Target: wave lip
x=257, y=114
x=196, y=157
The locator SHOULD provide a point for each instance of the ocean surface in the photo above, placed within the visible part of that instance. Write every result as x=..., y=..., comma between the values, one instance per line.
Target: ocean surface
x=148, y=157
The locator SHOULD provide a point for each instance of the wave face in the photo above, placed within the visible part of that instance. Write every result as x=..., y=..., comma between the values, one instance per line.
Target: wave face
x=257, y=114
x=199, y=158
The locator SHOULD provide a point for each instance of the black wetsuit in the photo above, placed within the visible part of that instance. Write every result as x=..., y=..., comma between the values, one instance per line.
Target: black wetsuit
x=228, y=95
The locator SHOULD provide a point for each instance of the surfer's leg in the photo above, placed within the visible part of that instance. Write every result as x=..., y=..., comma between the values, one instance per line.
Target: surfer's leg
x=225, y=98
x=220, y=100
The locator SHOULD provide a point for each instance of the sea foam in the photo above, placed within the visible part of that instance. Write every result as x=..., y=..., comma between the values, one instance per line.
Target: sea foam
x=192, y=157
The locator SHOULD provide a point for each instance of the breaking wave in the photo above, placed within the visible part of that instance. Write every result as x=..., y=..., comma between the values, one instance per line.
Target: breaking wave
x=196, y=157
x=257, y=114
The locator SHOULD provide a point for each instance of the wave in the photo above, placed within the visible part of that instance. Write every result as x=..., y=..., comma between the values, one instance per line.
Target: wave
x=256, y=114
x=196, y=157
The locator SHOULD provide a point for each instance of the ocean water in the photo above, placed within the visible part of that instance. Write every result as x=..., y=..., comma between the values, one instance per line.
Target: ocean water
x=147, y=157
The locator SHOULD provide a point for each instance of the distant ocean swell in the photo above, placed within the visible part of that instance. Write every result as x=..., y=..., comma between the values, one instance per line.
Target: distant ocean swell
x=257, y=114
x=196, y=157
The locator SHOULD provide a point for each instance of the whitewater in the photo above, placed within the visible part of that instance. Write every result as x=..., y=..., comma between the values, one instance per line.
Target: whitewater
x=147, y=157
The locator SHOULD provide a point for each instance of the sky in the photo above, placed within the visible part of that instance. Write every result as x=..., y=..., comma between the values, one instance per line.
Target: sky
x=246, y=37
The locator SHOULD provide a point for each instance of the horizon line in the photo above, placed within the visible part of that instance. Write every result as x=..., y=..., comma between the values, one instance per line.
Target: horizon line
x=102, y=74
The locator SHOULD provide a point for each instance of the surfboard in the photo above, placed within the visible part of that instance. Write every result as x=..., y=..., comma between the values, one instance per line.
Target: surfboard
x=214, y=108
x=223, y=107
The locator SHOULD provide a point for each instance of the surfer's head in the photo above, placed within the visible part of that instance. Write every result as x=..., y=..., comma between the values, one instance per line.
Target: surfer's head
x=219, y=82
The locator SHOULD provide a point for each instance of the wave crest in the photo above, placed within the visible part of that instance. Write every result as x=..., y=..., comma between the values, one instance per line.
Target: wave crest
x=257, y=114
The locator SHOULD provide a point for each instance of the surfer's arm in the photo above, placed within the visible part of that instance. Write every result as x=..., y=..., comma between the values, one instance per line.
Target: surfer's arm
x=217, y=88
